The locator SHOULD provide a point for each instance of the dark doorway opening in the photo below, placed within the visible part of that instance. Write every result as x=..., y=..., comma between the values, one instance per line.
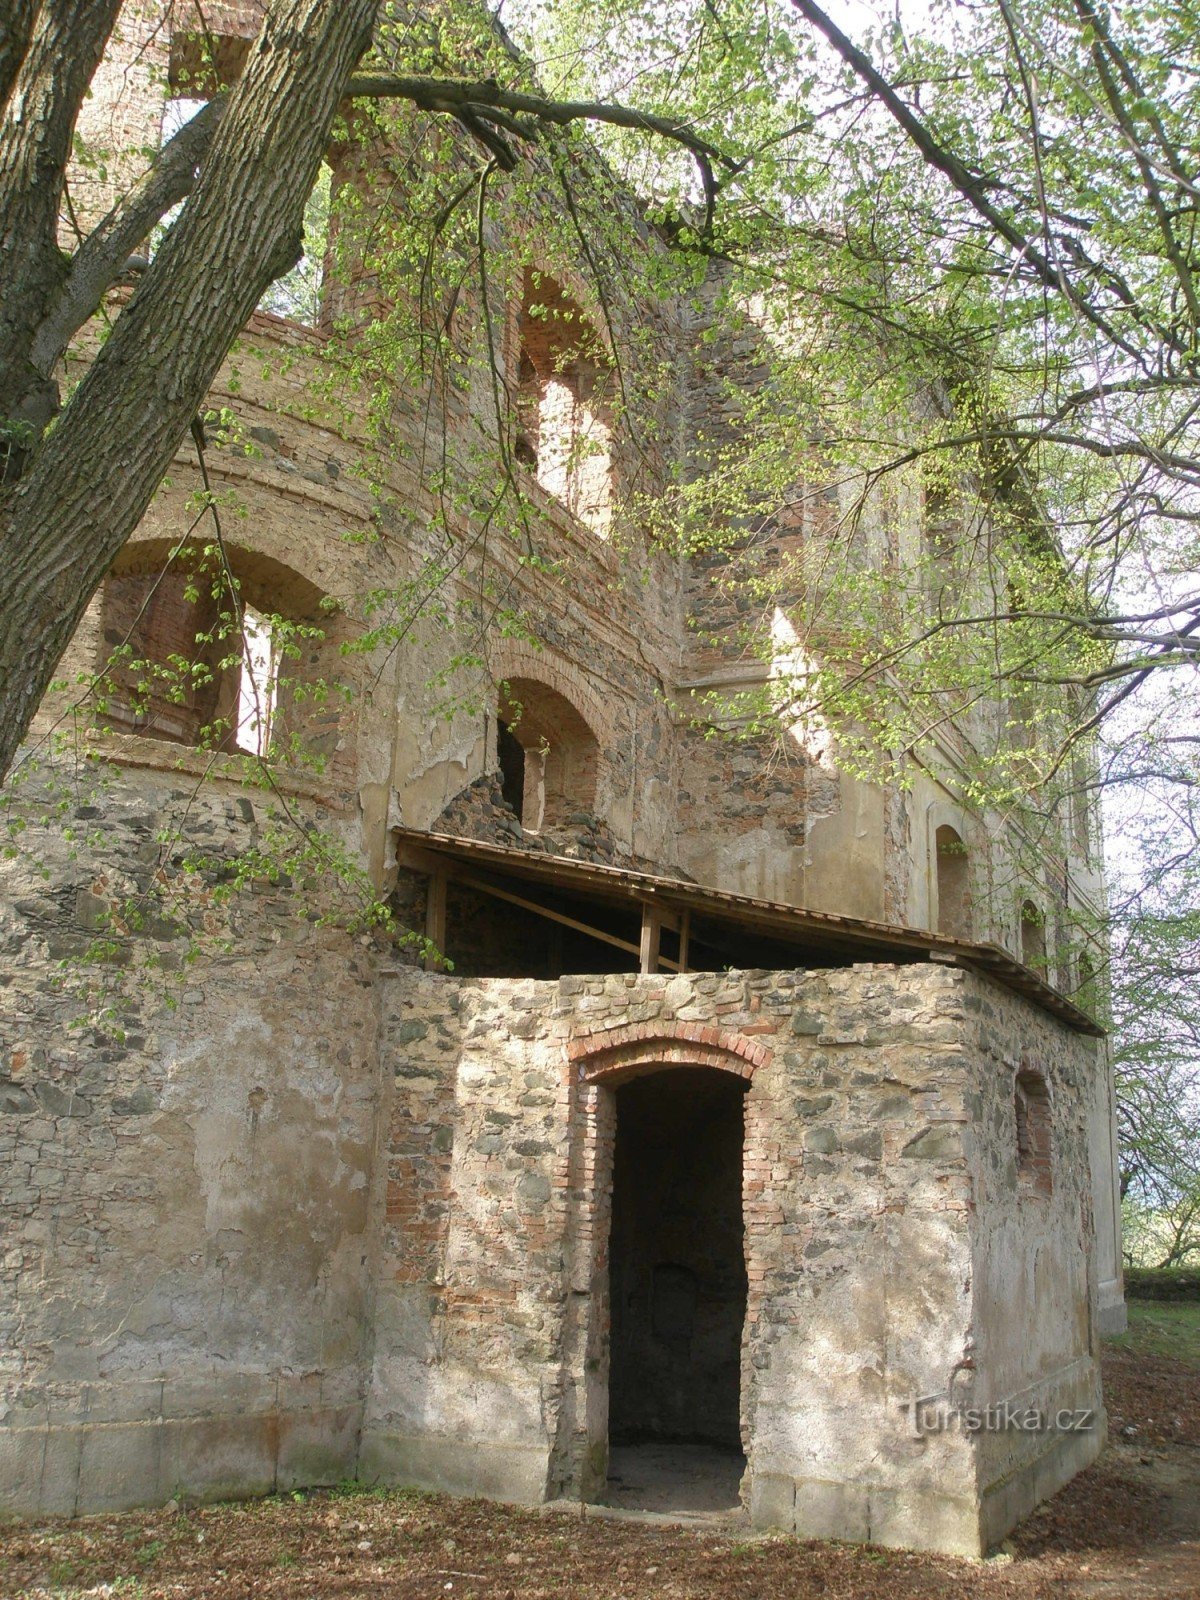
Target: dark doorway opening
x=677, y=1278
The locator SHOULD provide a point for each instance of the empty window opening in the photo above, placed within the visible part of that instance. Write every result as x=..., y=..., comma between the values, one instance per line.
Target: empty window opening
x=1033, y=1126
x=162, y=673
x=554, y=779
x=177, y=666
x=178, y=111
x=203, y=65
x=677, y=1270
x=953, y=884
x=1033, y=937
x=563, y=415
x=511, y=757
x=258, y=683
x=1087, y=994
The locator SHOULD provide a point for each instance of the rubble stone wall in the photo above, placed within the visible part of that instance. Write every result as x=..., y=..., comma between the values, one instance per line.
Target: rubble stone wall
x=1039, y=1278
x=186, y=1160
x=866, y=1261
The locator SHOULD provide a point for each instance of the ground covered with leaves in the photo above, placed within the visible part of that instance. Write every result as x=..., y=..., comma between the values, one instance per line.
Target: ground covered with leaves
x=1128, y=1529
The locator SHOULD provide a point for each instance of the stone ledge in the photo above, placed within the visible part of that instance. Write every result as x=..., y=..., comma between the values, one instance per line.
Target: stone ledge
x=903, y=1518
x=160, y=755
x=98, y=1467
x=515, y=1473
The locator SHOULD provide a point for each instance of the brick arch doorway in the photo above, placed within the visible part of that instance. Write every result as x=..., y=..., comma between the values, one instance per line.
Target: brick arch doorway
x=677, y=1289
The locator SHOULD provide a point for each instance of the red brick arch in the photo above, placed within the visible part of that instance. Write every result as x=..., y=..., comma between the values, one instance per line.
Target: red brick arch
x=620, y=1053
x=513, y=658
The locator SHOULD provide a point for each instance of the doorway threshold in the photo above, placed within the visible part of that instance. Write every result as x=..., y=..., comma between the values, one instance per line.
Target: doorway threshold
x=677, y=1480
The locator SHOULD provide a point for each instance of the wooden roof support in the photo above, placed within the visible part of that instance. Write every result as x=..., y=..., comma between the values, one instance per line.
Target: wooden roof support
x=648, y=954
x=813, y=935
x=470, y=881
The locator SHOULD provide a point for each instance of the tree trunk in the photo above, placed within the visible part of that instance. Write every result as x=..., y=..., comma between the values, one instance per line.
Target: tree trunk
x=51, y=68
x=14, y=42
x=94, y=475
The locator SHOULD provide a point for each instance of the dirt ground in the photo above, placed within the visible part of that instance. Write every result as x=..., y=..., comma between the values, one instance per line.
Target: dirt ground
x=1127, y=1529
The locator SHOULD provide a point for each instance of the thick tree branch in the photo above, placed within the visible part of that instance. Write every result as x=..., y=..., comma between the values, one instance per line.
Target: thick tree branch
x=101, y=257
x=65, y=42
x=488, y=99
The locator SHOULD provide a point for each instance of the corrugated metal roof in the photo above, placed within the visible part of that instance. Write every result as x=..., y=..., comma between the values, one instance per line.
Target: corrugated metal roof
x=856, y=938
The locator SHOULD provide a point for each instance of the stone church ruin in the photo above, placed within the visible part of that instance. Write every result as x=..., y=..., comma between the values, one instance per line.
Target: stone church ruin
x=735, y=1103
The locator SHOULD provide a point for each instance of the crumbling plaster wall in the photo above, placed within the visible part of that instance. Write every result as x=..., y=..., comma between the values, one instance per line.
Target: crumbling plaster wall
x=777, y=821
x=187, y=1159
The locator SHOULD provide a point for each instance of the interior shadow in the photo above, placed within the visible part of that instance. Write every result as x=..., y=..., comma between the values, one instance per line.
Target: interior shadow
x=678, y=1291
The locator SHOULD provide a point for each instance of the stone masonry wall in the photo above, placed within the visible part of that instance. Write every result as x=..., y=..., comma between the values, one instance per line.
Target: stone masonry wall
x=1036, y=1283
x=861, y=1168
x=187, y=1148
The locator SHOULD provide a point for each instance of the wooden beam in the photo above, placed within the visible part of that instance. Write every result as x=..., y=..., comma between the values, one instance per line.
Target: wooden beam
x=651, y=938
x=685, y=934
x=469, y=881
x=435, y=917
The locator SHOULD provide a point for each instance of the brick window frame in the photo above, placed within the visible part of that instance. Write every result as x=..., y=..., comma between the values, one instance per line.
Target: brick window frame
x=162, y=609
x=560, y=750
x=561, y=407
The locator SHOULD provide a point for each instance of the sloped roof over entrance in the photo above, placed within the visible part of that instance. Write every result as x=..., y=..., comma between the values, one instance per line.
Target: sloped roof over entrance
x=649, y=917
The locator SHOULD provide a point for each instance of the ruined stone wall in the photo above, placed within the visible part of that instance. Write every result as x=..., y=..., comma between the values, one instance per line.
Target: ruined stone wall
x=630, y=636
x=312, y=474
x=863, y=1160
x=780, y=820
x=257, y=1210
x=187, y=1149
x=1038, y=1272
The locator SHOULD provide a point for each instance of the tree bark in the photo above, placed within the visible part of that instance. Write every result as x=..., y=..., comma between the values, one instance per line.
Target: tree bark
x=14, y=42
x=93, y=476
x=52, y=67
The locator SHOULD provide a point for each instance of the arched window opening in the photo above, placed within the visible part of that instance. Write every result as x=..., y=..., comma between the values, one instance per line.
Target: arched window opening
x=1033, y=937
x=563, y=415
x=511, y=756
x=192, y=661
x=953, y=884
x=1031, y=1105
x=258, y=683
x=552, y=770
